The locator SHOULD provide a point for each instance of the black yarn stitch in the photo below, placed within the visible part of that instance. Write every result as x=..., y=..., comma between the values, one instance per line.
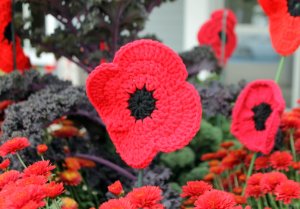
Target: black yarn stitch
x=141, y=103
x=261, y=114
x=7, y=32
x=220, y=34
x=294, y=7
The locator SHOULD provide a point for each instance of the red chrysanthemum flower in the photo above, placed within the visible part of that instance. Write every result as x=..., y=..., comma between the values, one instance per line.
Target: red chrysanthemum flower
x=70, y=177
x=4, y=164
x=270, y=180
x=253, y=188
x=53, y=189
x=208, y=156
x=69, y=203
x=262, y=162
x=209, y=177
x=9, y=176
x=122, y=203
x=290, y=121
x=13, y=145
x=42, y=148
x=145, y=102
x=42, y=168
x=4, y=104
x=215, y=199
x=32, y=205
x=220, y=154
x=227, y=144
x=256, y=115
x=281, y=160
x=145, y=197
x=284, y=19
x=217, y=169
x=240, y=199
x=66, y=131
x=194, y=189
x=230, y=161
x=86, y=163
x=116, y=188
x=287, y=190
x=211, y=33
x=32, y=180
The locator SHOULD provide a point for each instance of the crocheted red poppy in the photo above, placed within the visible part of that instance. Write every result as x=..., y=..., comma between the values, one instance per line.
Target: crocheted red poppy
x=6, y=46
x=284, y=20
x=211, y=33
x=145, y=102
x=256, y=115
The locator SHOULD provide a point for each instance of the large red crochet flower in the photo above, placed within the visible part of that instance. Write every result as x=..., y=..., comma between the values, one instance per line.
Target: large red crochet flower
x=211, y=33
x=6, y=46
x=256, y=115
x=284, y=18
x=145, y=102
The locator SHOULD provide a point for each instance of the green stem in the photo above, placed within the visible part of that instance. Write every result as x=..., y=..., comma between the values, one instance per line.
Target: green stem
x=265, y=201
x=220, y=182
x=140, y=178
x=249, y=171
x=21, y=161
x=259, y=203
x=280, y=69
x=56, y=204
x=272, y=201
x=292, y=143
x=42, y=157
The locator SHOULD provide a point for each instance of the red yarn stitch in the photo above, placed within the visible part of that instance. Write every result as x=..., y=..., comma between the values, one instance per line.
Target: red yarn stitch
x=147, y=66
x=209, y=33
x=284, y=27
x=6, y=47
x=243, y=124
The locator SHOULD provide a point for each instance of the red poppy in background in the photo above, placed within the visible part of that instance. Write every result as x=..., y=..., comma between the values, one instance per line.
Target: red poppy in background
x=284, y=20
x=145, y=102
x=6, y=45
x=256, y=115
x=211, y=33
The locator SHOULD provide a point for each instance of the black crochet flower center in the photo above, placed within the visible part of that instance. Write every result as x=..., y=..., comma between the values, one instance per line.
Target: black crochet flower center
x=261, y=114
x=220, y=34
x=294, y=7
x=7, y=32
x=141, y=103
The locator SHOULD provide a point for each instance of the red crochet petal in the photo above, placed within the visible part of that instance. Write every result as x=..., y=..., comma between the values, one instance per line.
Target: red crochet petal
x=152, y=52
x=272, y=6
x=177, y=113
x=243, y=125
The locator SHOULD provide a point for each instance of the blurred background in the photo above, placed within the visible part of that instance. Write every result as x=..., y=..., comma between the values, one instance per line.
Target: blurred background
x=177, y=23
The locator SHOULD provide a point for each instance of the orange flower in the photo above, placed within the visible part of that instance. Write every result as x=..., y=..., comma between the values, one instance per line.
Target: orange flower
x=230, y=161
x=13, y=145
x=53, y=189
x=220, y=154
x=296, y=165
x=4, y=165
x=43, y=168
x=238, y=190
x=242, y=178
x=122, y=203
x=69, y=203
x=269, y=181
x=66, y=132
x=287, y=190
x=208, y=156
x=262, y=163
x=217, y=170
x=194, y=189
x=70, y=177
x=116, y=188
x=227, y=144
x=281, y=160
x=240, y=199
x=72, y=163
x=209, y=177
x=213, y=163
x=146, y=197
x=86, y=163
x=42, y=148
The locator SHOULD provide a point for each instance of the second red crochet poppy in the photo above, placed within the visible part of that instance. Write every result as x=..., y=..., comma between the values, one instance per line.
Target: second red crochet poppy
x=256, y=115
x=212, y=33
x=145, y=102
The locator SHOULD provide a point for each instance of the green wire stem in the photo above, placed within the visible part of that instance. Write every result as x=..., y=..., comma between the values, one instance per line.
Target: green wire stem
x=280, y=69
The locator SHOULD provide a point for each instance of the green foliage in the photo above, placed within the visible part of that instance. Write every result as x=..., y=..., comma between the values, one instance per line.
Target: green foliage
x=179, y=159
x=208, y=138
x=196, y=173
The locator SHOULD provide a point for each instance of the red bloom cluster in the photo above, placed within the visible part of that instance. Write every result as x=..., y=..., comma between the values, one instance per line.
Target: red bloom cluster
x=28, y=189
x=13, y=145
x=281, y=160
x=144, y=197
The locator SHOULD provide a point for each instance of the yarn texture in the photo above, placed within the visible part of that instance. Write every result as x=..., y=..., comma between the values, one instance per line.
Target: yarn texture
x=145, y=102
x=211, y=33
x=256, y=115
x=284, y=24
